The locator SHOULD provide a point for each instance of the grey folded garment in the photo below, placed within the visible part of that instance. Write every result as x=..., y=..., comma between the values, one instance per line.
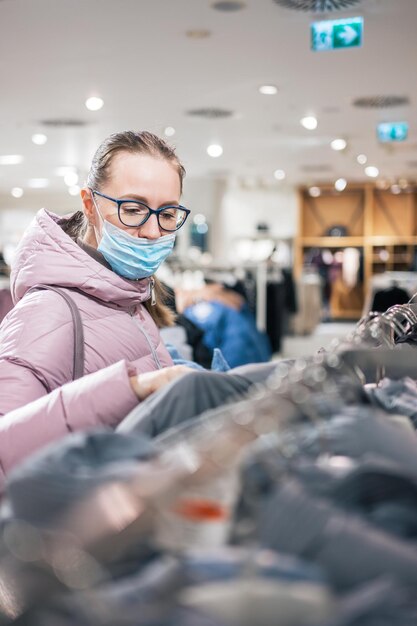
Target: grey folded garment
x=183, y=400
x=396, y=396
x=350, y=550
x=383, y=602
x=359, y=461
x=50, y=482
x=359, y=431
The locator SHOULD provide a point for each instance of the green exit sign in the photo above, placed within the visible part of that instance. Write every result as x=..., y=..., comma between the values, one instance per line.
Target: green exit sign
x=333, y=34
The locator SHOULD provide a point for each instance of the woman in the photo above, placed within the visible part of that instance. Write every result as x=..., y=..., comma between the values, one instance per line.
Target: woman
x=104, y=258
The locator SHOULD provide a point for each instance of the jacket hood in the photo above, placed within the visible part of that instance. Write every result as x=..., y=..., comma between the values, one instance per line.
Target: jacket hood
x=47, y=255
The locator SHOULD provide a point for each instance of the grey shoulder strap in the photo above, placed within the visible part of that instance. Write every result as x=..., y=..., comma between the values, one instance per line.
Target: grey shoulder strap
x=78, y=366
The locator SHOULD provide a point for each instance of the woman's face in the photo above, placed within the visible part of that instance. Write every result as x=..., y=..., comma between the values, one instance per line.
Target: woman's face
x=146, y=178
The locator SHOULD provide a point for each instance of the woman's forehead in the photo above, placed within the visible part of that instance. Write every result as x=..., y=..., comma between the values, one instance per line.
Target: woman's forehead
x=143, y=172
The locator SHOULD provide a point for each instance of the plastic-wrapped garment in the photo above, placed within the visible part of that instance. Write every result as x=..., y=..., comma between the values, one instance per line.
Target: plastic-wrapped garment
x=350, y=551
x=359, y=431
x=178, y=591
x=48, y=483
x=382, y=602
x=234, y=332
x=379, y=491
x=396, y=396
x=147, y=598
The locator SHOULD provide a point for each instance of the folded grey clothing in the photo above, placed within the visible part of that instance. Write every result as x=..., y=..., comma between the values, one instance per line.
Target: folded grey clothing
x=350, y=551
x=183, y=400
x=151, y=596
x=257, y=373
x=228, y=563
x=396, y=396
x=378, y=490
x=383, y=602
x=70, y=611
x=49, y=482
x=358, y=431
x=383, y=493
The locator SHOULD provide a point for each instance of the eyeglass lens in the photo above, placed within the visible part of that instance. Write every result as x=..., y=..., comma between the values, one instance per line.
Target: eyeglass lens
x=134, y=214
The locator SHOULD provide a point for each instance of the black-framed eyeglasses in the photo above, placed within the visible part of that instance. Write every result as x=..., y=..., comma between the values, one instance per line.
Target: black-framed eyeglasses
x=133, y=213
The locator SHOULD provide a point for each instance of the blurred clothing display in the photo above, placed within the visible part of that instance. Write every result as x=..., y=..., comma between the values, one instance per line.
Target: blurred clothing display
x=386, y=298
x=309, y=304
x=232, y=330
x=390, y=287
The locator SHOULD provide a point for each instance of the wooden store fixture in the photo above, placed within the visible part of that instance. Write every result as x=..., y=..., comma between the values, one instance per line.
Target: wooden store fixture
x=382, y=225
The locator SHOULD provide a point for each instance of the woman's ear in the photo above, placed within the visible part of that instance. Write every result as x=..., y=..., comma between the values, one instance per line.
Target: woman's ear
x=88, y=204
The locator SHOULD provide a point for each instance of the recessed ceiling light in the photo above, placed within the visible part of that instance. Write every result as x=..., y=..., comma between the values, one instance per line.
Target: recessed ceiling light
x=268, y=90
x=39, y=139
x=94, y=103
x=228, y=5
x=314, y=192
x=338, y=144
x=71, y=179
x=17, y=192
x=214, y=150
x=38, y=183
x=11, y=159
x=340, y=184
x=74, y=190
x=169, y=131
x=361, y=159
x=371, y=171
x=309, y=122
x=198, y=33
x=279, y=174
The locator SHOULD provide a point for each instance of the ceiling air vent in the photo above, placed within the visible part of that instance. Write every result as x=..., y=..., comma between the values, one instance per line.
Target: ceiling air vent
x=210, y=113
x=65, y=122
x=228, y=5
x=381, y=102
x=318, y=6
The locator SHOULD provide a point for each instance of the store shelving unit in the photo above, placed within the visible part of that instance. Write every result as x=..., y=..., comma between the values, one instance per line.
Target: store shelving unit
x=382, y=225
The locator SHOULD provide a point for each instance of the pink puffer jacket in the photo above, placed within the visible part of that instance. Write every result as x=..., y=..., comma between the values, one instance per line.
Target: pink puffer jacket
x=37, y=400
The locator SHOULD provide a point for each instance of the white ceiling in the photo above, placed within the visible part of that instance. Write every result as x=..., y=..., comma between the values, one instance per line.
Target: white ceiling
x=135, y=54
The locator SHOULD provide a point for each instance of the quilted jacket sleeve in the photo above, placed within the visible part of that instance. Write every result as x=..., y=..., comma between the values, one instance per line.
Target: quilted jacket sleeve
x=37, y=403
x=101, y=398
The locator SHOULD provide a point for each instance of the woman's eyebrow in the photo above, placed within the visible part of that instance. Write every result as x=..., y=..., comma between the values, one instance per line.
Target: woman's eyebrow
x=135, y=196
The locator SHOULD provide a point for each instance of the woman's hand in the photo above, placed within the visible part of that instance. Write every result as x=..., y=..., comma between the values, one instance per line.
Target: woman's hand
x=145, y=384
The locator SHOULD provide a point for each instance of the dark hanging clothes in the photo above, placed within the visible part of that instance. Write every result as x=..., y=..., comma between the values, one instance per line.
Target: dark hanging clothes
x=275, y=306
x=386, y=298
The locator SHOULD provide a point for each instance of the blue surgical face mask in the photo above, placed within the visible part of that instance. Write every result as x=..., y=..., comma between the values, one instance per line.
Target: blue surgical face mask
x=133, y=257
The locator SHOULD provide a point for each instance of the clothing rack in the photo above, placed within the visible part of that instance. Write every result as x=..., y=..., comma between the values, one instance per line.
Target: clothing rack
x=255, y=274
x=293, y=447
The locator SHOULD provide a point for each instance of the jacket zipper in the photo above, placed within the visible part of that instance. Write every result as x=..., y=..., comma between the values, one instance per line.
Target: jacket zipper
x=152, y=290
x=151, y=346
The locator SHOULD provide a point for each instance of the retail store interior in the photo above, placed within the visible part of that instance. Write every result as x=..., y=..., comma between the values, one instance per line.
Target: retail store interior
x=296, y=123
